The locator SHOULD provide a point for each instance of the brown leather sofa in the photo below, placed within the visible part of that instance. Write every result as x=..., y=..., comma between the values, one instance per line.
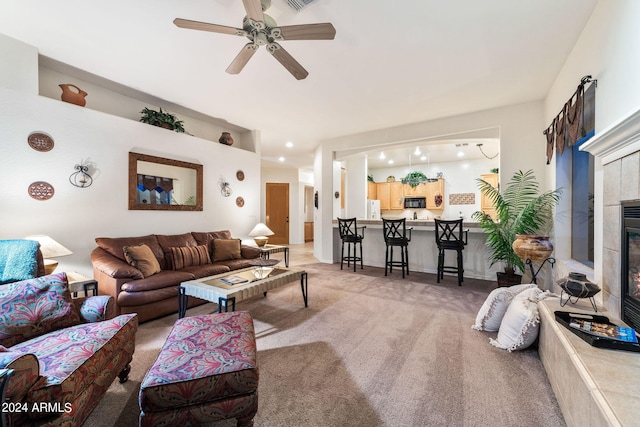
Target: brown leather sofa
x=156, y=294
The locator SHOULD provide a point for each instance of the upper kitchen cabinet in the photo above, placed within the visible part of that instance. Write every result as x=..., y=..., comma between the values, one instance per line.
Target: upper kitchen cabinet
x=419, y=190
x=435, y=194
x=390, y=195
x=486, y=205
x=372, y=190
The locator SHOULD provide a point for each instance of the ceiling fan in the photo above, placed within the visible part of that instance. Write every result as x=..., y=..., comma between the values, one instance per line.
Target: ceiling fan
x=261, y=29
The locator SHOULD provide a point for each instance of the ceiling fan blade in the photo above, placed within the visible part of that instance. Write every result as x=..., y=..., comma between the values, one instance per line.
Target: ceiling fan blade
x=204, y=26
x=254, y=9
x=242, y=58
x=287, y=61
x=324, y=31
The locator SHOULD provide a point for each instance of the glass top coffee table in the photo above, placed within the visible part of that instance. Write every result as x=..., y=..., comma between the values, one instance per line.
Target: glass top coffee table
x=227, y=288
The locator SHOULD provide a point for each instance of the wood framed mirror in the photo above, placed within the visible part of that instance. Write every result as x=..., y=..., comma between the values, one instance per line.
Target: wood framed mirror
x=158, y=183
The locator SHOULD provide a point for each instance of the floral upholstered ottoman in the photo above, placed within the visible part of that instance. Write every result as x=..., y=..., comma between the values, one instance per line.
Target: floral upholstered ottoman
x=206, y=371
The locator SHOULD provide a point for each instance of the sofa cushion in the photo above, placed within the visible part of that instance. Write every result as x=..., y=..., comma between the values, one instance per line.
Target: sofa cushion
x=186, y=256
x=521, y=323
x=225, y=249
x=173, y=241
x=18, y=260
x=205, y=270
x=206, y=238
x=114, y=245
x=75, y=358
x=34, y=307
x=142, y=258
x=164, y=279
x=495, y=306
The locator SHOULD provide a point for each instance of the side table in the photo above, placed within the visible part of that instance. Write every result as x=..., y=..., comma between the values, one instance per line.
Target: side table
x=267, y=250
x=80, y=283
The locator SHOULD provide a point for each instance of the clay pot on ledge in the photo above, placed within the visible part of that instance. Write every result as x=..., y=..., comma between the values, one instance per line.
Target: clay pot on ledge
x=73, y=94
x=531, y=246
x=226, y=139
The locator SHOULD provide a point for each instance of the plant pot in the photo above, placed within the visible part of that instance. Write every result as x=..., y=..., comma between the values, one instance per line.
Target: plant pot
x=531, y=246
x=505, y=279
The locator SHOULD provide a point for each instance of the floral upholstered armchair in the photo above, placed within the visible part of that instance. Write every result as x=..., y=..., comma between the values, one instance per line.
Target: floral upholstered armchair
x=64, y=352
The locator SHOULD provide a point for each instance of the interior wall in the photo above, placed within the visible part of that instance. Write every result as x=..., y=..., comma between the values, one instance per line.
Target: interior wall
x=76, y=216
x=296, y=199
x=522, y=147
x=606, y=50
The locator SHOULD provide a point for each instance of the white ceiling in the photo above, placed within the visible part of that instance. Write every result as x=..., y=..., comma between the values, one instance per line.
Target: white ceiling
x=391, y=63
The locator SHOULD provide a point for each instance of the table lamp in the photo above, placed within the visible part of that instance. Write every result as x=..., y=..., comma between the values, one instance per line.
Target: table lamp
x=260, y=233
x=50, y=249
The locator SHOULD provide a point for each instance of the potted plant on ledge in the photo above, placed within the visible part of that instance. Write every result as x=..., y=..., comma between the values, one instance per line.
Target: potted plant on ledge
x=520, y=209
x=161, y=119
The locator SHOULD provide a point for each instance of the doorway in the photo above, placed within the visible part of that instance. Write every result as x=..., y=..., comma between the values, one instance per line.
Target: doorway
x=277, y=212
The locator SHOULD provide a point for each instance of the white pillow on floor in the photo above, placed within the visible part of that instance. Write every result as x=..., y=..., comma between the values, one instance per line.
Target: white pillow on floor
x=492, y=311
x=521, y=323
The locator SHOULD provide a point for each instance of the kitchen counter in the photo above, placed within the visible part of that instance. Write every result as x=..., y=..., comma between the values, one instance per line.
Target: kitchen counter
x=423, y=252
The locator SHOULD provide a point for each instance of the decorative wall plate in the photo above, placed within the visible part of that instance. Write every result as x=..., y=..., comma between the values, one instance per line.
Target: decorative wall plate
x=40, y=141
x=41, y=190
x=240, y=175
x=239, y=201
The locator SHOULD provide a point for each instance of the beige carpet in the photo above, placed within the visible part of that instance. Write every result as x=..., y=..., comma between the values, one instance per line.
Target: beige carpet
x=369, y=351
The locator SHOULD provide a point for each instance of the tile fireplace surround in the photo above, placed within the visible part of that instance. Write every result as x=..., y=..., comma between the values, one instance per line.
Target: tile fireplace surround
x=598, y=387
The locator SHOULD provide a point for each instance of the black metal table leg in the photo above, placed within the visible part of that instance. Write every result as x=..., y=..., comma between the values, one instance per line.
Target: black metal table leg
x=286, y=257
x=183, y=299
x=304, y=284
x=225, y=302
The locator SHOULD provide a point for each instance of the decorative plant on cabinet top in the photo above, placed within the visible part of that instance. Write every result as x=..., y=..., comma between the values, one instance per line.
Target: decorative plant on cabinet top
x=161, y=119
x=520, y=209
x=415, y=178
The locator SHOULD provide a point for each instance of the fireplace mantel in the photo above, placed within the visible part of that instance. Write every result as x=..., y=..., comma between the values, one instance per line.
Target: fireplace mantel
x=617, y=140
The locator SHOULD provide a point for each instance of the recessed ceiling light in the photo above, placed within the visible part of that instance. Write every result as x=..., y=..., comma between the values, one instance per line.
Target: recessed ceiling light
x=423, y=158
x=390, y=162
x=460, y=154
x=417, y=152
x=289, y=144
x=281, y=159
x=381, y=156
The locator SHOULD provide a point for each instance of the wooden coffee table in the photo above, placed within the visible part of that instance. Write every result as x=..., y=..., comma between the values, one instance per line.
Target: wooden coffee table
x=221, y=289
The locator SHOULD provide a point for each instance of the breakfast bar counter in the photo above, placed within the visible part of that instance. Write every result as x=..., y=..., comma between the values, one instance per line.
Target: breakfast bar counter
x=423, y=252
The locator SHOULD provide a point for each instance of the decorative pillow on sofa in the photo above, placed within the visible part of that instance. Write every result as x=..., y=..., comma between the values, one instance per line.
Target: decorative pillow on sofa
x=225, y=249
x=34, y=307
x=492, y=311
x=521, y=323
x=186, y=256
x=142, y=258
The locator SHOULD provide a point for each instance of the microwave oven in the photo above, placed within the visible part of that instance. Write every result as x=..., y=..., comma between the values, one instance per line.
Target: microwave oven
x=415, y=202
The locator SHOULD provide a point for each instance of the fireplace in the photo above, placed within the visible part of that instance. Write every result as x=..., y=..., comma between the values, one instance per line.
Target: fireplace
x=630, y=280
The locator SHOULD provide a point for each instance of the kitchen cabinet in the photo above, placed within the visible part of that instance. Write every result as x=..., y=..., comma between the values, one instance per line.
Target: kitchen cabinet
x=419, y=190
x=486, y=205
x=435, y=195
x=372, y=190
x=390, y=195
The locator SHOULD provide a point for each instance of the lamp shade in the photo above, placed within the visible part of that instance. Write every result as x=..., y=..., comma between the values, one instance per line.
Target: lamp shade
x=261, y=230
x=49, y=247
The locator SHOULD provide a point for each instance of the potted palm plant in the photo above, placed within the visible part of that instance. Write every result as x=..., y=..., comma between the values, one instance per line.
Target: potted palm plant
x=161, y=119
x=520, y=209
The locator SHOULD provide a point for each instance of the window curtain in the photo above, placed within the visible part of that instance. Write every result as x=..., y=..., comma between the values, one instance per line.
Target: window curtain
x=575, y=122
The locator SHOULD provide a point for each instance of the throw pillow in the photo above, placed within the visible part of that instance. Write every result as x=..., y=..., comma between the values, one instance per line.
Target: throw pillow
x=186, y=256
x=521, y=323
x=226, y=249
x=34, y=307
x=19, y=260
x=492, y=311
x=142, y=258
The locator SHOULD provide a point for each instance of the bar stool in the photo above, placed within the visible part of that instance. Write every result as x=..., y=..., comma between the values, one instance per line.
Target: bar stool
x=349, y=234
x=395, y=234
x=450, y=236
